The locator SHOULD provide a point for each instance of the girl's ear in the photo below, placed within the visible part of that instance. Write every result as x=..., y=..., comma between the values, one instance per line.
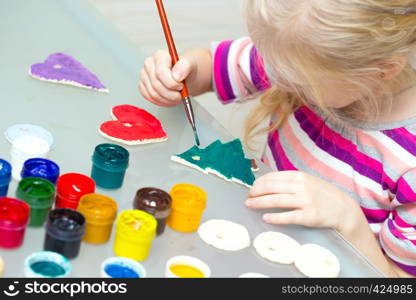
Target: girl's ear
x=392, y=67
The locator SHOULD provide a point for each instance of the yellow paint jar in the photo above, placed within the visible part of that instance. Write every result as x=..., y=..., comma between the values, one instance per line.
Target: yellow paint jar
x=135, y=231
x=185, y=271
x=188, y=204
x=186, y=267
x=100, y=212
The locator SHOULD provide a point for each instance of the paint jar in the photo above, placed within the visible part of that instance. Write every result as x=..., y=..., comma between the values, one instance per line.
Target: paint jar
x=122, y=267
x=100, y=212
x=188, y=204
x=39, y=194
x=70, y=188
x=47, y=264
x=14, y=217
x=155, y=202
x=5, y=177
x=135, y=231
x=42, y=168
x=25, y=147
x=187, y=267
x=64, y=231
x=109, y=166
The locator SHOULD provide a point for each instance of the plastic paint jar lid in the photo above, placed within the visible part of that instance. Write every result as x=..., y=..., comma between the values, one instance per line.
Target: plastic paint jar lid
x=40, y=167
x=47, y=264
x=65, y=224
x=18, y=130
x=14, y=213
x=188, y=198
x=153, y=201
x=73, y=185
x=113, y=268
x=98, y=209
x=111, y=157
x=37, y=192
x=29, y=146
x=136, y=225
x=5, y=172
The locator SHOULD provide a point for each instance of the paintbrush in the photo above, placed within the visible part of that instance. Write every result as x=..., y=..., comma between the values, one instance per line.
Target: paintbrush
x=174, y=54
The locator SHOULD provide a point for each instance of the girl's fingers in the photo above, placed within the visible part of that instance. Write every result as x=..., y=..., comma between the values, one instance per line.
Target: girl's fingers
x=265, y=186
x=181, y=69
x=144, y=92
x=285, y=218
x=286, y=182
x=165, y=95
x=275, y=201
x=163, y=71
x=154, y=96
x=146, y=95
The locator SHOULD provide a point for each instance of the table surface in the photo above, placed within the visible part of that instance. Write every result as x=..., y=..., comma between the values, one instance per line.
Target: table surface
x=30, y=31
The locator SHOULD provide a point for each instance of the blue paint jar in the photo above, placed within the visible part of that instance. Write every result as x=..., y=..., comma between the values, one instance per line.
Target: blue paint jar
x=5, y=177
x=109, y=166
x=42, y=168
x=122, y=267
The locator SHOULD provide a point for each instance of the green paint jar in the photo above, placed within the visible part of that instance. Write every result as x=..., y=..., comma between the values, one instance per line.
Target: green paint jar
x=110, y=163
x=39, y=194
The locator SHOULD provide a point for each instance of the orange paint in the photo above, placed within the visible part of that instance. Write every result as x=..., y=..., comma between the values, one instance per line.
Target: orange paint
x=188, y=204
x=185, y=271
x=99, y=212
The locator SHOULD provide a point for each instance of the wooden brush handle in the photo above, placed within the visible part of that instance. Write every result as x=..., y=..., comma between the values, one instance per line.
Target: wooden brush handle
x=170, y=42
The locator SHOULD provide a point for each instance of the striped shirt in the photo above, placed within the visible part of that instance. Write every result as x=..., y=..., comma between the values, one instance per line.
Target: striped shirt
x=374, y=163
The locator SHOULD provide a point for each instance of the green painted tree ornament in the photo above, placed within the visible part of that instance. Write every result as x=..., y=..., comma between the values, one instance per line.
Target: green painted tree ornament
x=224, y=160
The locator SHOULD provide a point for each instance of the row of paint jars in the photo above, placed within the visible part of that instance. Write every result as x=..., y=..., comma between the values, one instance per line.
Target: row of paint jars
x=37, y=188
x=47, y=264
x=110, y=163
x=135, y=229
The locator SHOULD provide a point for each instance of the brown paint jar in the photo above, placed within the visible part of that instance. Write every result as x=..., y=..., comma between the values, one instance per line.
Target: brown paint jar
x=155, y=202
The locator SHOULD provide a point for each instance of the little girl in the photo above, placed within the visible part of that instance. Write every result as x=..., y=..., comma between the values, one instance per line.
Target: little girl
x=339, y=83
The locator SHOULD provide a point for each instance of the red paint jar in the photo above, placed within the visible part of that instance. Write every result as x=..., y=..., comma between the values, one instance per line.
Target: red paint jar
x=70, y=188
x=14, y=217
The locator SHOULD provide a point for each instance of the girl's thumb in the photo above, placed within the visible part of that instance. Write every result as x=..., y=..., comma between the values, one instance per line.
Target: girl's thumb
x=181, y=70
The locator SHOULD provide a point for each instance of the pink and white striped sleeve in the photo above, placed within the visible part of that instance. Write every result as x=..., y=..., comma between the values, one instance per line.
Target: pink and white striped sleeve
x=398, y=233
x=238, y=70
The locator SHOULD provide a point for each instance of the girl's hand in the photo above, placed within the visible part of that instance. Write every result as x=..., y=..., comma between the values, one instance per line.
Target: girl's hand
x=313, y=201
x=160, y=83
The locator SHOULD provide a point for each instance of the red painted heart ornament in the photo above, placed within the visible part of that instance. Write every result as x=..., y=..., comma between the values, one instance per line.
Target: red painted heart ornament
x=133, y=126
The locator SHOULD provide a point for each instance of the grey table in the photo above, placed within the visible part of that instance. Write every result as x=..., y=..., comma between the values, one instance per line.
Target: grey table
x=32, y=29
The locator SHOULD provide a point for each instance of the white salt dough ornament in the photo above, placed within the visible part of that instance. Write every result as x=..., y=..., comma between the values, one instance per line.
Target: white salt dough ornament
x=316, y=261
x=276, y=247
x=224, y=235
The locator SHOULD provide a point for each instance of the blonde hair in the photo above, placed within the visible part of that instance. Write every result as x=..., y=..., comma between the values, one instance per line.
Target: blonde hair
x=345, y=40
